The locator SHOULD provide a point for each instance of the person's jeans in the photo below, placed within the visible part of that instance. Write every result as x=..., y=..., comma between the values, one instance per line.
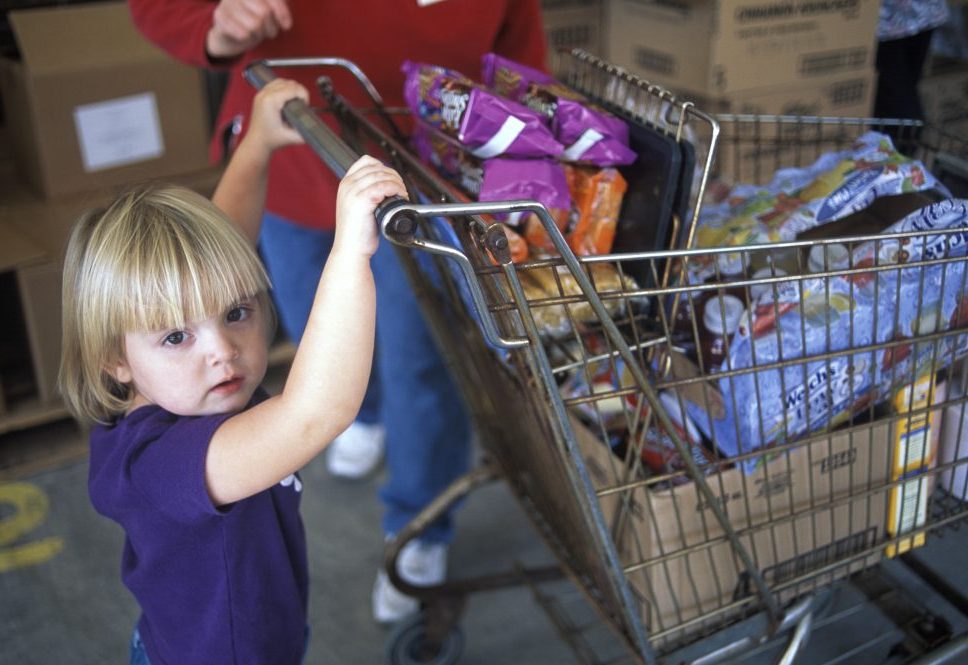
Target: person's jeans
x=294, y=257
x=138, y=655
x=428, y=431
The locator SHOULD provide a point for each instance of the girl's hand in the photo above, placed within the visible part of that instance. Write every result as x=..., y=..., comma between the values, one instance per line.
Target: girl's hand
x=267, y=124
x=366, y=184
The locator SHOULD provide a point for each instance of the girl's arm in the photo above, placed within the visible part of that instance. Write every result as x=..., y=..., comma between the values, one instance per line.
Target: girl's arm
x=257, y=448
x=241, y=192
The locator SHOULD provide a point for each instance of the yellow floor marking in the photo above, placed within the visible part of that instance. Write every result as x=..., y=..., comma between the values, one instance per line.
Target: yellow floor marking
x=30, y=506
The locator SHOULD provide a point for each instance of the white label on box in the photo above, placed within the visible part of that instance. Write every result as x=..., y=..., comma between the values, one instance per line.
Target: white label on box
x=119, y=131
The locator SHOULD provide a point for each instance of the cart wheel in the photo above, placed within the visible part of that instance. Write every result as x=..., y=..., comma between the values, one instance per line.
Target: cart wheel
x=404, y=647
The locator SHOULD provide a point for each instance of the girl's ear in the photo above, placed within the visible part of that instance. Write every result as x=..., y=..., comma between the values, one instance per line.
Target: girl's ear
x=120, y=371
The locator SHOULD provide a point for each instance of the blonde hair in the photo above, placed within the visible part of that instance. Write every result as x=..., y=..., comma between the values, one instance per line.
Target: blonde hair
x=158, y=257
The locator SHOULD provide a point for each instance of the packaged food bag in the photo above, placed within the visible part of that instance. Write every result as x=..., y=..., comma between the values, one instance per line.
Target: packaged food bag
x=590, y=134
x=808, y=317
x=798, y=199
x=597, y=195
x=486, y=123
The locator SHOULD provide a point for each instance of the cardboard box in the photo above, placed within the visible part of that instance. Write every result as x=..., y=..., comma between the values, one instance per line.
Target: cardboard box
x=803, y=512
x=944, y=96
x=33, y=234
x=571, y=25
x=31, y=335
x=93, y=104
x=844, y=96
x=850, y=96
x=716, y=47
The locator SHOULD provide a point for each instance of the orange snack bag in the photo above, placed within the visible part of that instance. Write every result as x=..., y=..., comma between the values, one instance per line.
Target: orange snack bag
x=534, y=231
x=597, y=199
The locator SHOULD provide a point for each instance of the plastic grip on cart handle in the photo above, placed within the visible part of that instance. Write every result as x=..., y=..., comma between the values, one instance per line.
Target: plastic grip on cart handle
x=399, y=226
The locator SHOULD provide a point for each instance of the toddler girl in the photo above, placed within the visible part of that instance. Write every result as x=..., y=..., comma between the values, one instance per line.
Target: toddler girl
x=165, y=336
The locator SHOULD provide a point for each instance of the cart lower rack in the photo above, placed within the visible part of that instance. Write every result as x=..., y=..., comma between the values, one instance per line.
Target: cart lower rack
x=683, y=491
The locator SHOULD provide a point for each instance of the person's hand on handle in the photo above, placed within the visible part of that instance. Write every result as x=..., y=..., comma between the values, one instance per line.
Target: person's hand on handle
x=239, y=25
x=366, y=184
x=267, y=125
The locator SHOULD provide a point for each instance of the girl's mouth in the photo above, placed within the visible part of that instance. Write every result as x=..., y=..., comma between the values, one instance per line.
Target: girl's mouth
x=228, y=387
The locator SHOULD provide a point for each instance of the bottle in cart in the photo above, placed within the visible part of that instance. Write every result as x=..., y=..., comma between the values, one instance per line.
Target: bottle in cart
x=828, y=258
x=729, y=269
x=721, y=318
x=779, y=258
x=915, y=449
x=756, y=290
x=658, y=451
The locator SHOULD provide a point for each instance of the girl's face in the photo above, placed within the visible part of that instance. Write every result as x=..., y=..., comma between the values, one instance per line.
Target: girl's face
x=211, y=366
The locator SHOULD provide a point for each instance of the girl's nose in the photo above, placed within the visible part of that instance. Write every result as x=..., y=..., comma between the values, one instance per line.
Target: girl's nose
x=222, y=348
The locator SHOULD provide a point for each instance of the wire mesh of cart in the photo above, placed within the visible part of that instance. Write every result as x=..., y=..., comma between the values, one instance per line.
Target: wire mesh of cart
x=687, y=478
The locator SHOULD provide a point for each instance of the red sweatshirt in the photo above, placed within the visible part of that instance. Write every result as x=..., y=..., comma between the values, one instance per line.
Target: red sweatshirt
x=378, y=35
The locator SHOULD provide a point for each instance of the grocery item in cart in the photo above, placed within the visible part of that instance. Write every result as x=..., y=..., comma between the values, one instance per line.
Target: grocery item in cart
x=583, y=201
x=589, y=133
x=553, y=282
x=658, y=451
x=488, y=124
x=597, y=196
x=455, y=164
x=721, y=317
x=599, y=379
x=810, y=317
x=799, y=199
x=540, y=180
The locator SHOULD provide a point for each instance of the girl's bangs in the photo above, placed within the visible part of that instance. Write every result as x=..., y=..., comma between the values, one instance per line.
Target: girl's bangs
x=182, y=280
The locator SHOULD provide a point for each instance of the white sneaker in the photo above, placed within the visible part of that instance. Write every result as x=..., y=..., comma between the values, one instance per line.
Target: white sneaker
x=357, y=451
x=420, y=564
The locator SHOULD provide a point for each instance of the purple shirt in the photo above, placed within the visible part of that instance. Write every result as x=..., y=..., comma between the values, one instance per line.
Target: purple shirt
x=215, y=585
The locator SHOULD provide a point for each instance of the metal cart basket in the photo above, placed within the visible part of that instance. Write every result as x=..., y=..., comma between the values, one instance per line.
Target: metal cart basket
x=578, y=376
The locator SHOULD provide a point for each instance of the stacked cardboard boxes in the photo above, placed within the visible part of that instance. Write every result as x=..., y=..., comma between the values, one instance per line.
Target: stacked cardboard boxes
x=92, y=104
x=572, y=24
x=944, y=95
x=89, y=107
x=800, y=57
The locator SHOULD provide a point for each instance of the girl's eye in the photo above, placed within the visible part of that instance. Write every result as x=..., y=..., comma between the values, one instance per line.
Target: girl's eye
x=175, y=338
x=239, y=313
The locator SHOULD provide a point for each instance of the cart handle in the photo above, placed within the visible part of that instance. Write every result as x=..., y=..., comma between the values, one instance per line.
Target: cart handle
x=332, y=150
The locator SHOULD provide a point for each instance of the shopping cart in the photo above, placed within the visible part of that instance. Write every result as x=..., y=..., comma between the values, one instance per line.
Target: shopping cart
x=578, y=376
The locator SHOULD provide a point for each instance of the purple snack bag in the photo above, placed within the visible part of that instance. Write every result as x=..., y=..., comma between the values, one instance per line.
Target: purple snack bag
x=451, y=161
x=509, y=78
x=485, y=123
x=541, y=180
x=590, y=135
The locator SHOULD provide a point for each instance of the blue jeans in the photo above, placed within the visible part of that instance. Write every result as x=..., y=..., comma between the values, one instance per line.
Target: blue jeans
x=428, y=431
x=138, y=655
x=294, y=257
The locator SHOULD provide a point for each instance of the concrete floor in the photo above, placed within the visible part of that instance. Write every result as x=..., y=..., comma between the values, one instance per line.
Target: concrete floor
x=61, y=599
x=63, y=602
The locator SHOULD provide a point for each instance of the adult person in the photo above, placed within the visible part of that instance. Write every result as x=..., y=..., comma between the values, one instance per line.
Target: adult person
x=426, y=428
x=904, y=38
